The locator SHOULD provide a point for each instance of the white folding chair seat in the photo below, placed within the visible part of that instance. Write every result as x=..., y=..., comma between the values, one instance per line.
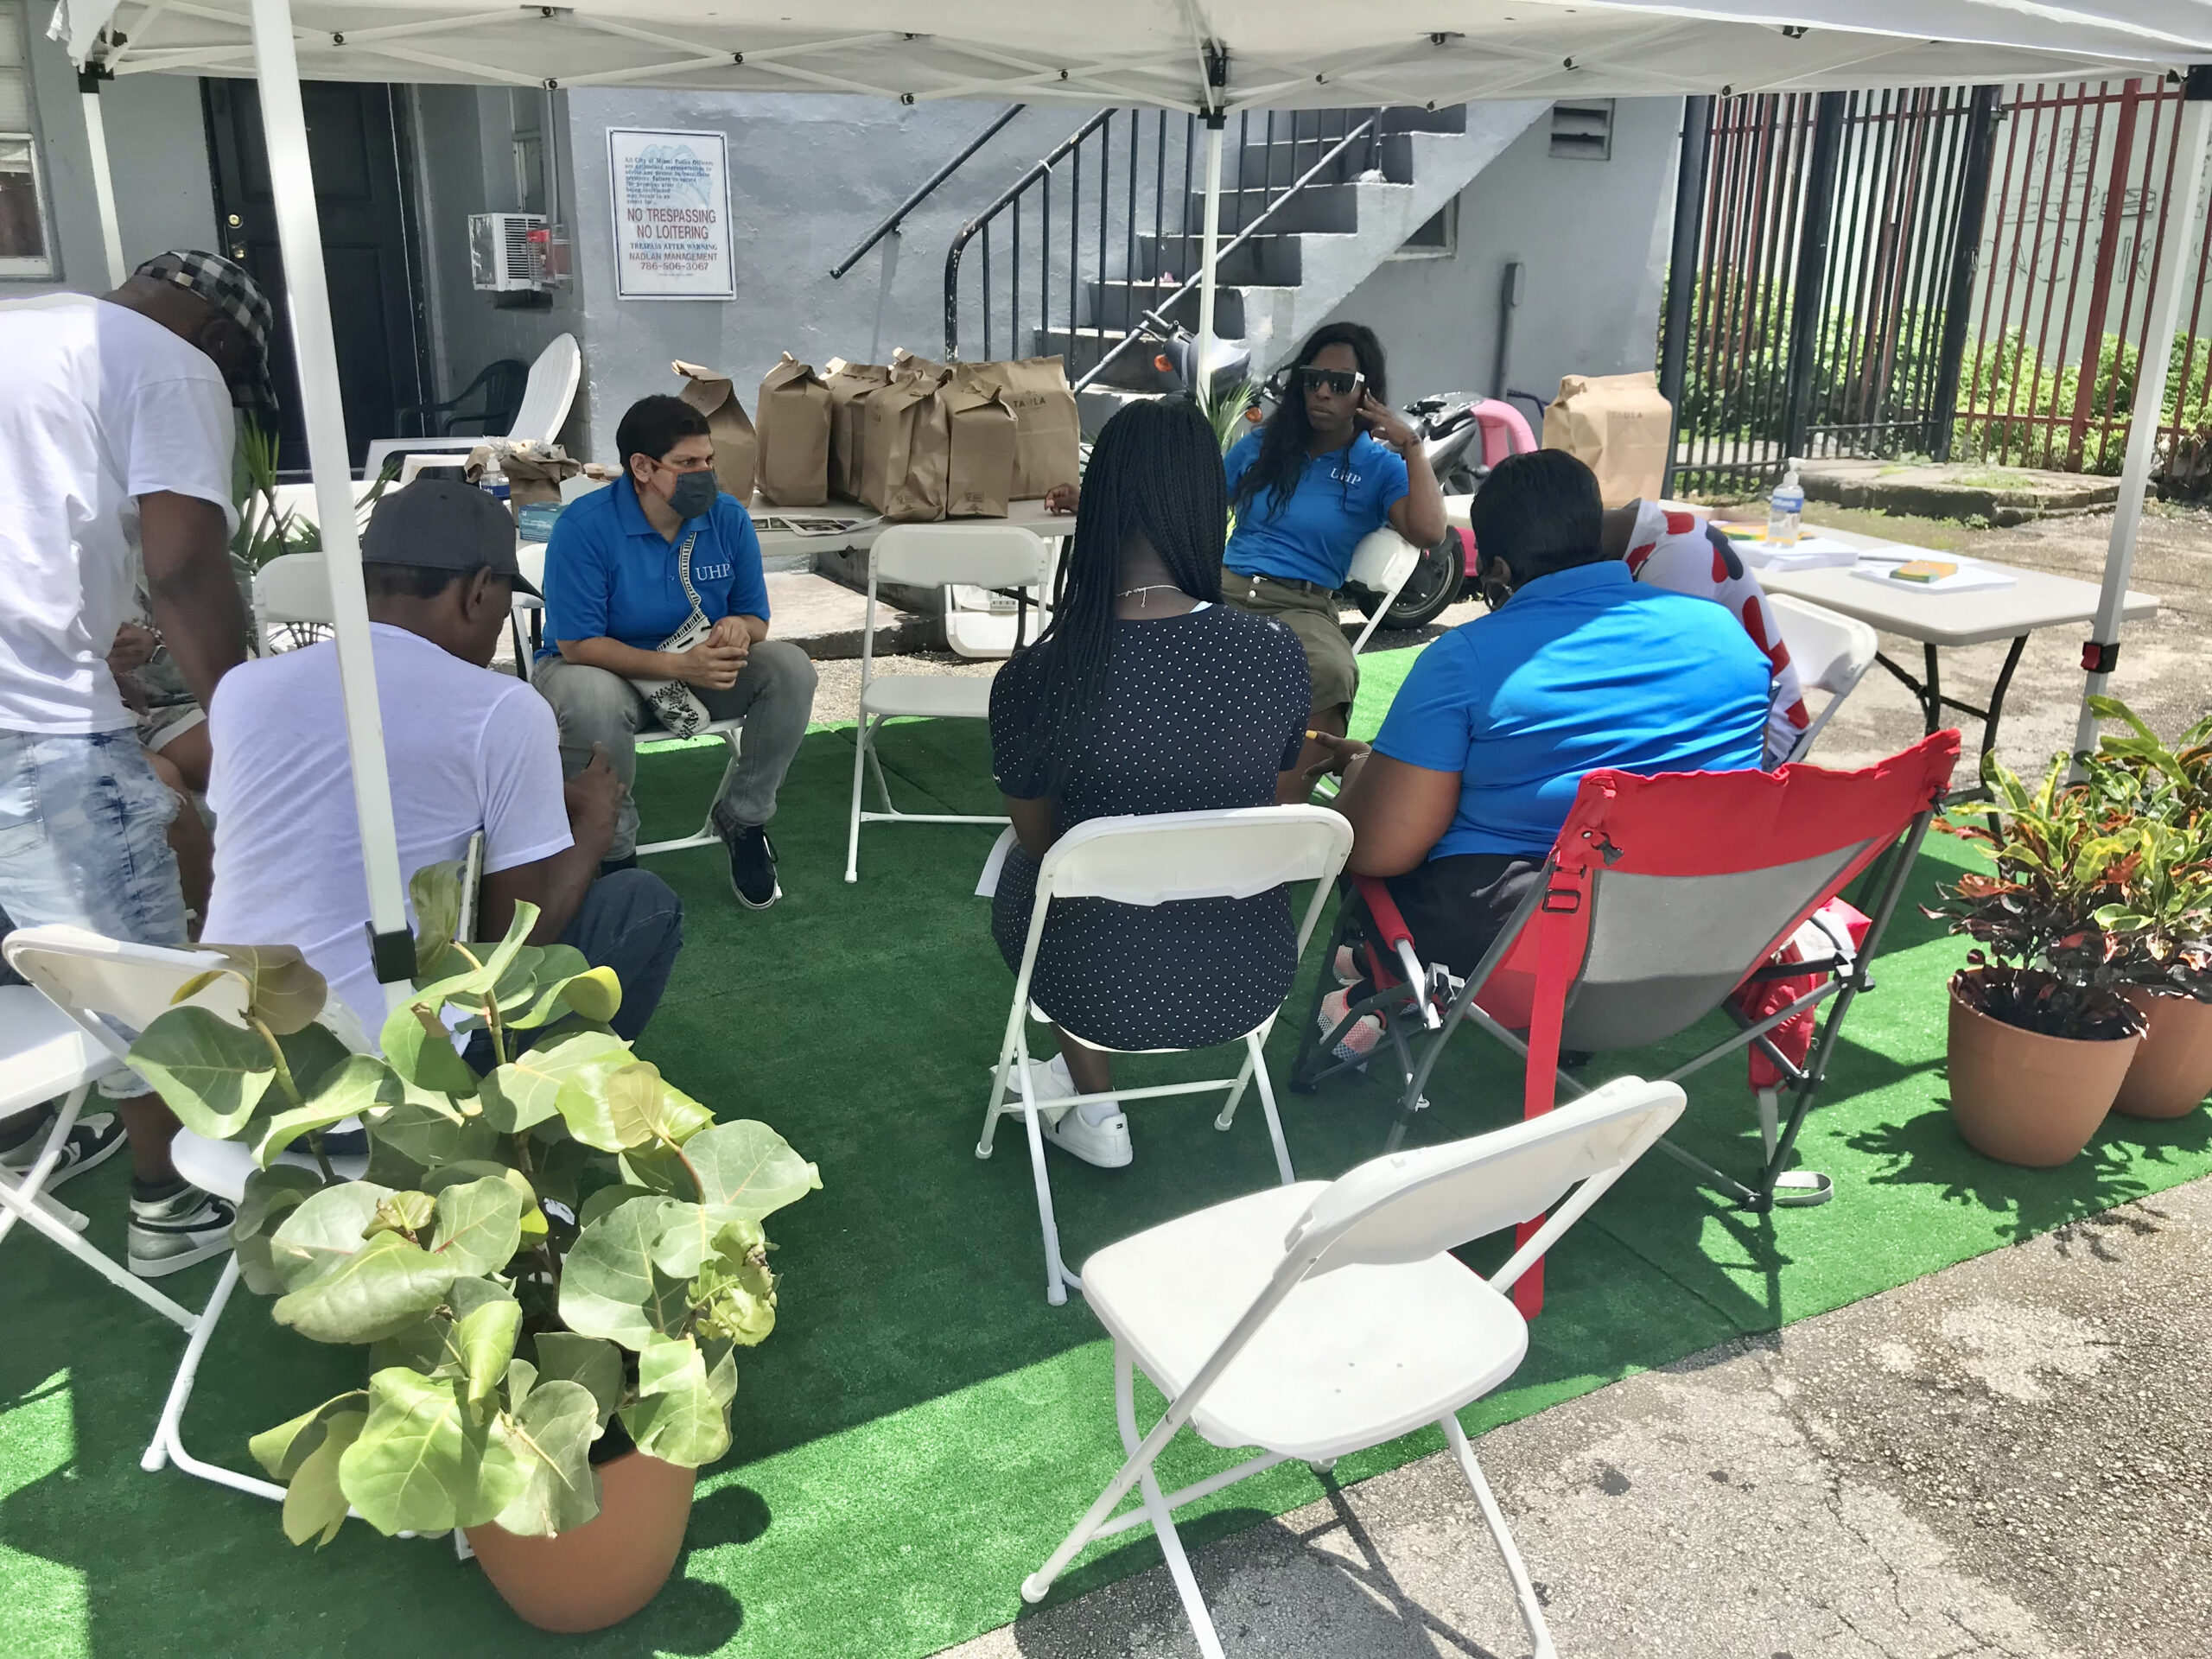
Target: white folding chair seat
x=1831, y=652
x=929, y=556
x=1318, y=1320
x=1149, y=860
x=1353, y=1358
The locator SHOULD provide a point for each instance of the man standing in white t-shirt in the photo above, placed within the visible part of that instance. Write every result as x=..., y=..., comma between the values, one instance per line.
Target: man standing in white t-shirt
x=467, y=750
x=107, y=402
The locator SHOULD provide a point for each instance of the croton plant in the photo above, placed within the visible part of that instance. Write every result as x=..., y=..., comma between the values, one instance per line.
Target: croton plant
x=566, y=1242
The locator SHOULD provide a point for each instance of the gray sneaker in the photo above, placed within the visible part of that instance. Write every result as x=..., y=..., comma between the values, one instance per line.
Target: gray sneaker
x=93, y=1140
x=169, y=1235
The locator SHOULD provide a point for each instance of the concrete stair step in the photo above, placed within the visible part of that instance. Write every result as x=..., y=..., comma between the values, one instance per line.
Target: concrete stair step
x=1116, y=304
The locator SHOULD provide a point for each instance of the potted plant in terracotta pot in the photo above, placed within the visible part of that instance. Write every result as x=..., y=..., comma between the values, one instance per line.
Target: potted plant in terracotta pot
x=2165, y=913
x=550, y=1267
x=2040, y=1035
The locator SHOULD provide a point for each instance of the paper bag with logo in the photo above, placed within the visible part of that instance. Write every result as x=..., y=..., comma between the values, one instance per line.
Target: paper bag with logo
x=736, y=448
x=983, y=437
x=1046, y=430
x=906, y=450
x=1618, y=425
x=533, y=472
x=794, y=423
x=849, y=385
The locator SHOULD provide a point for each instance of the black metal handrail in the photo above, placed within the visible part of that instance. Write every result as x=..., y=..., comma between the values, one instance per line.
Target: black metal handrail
x=1041, y=170
x=900, y=213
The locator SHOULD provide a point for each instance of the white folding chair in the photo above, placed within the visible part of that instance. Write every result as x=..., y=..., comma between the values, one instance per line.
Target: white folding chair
x=1383, y=563
x=109, y=992
x=1828, y=650
x=1150, y=860
x=291, y=590
x=1320, y=1320
x=930, y=556
x=546, y=399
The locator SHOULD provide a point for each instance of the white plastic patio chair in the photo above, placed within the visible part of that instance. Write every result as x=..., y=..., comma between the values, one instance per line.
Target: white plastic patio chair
x=930, y=556
x=107, y=992
x=291, y=590
x=1320, y=1320
x=1828, y=650
x=1149, y=860
x=546, y=399
x=1383, y=563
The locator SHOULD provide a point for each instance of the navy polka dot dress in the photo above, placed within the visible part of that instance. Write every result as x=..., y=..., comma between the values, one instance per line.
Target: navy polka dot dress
x=1202, y=711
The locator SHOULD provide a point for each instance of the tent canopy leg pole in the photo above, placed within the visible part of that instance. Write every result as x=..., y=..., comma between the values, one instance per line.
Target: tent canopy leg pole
x=1203, y=354
x=88, y=85
x=299, y=233
x=2103, y=648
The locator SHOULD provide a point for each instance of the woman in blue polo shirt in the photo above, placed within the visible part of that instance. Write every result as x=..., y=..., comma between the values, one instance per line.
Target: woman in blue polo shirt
x=1334, y=464
x=626, y=568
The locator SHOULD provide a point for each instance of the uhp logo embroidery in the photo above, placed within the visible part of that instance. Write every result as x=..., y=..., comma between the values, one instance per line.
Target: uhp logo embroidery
x=711, y=573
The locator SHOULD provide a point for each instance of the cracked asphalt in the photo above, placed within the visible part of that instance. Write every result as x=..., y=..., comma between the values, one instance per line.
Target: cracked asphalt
x=2013, y=1456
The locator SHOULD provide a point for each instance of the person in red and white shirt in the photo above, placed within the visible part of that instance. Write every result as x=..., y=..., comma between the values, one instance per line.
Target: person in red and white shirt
x=1675, y=551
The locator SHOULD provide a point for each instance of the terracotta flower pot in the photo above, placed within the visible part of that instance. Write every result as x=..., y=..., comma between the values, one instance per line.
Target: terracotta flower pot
x=608, y=1569
x=2022, y=1097
x=2173, y=1070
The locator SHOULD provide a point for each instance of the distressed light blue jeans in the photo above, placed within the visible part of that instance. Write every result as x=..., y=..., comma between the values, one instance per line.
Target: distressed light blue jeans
x=84, y=840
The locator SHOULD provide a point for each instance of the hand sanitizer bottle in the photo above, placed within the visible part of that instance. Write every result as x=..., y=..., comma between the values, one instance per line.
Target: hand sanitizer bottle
x=1785, y=509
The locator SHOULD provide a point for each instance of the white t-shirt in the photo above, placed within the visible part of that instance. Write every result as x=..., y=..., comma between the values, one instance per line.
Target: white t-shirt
x=467, y=749
x=98, y=406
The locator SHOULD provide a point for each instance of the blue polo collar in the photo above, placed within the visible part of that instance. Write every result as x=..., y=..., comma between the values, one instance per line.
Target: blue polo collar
x=1604, y=573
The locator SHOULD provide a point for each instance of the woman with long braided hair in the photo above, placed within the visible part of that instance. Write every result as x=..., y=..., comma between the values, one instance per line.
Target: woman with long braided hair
x=1146, y=694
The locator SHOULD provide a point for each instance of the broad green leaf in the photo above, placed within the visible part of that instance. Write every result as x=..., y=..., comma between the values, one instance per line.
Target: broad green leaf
x=735, y=1287
x=419, y=1048
x=656, y=1168
x=677, y=1418
x=434, y=892
x=522, y=1378
x=283, y=991
x=606, y=1198
x=421, y=1465
x=409, y=1213
x=330, y=1226
x=480, y=1226
x=746, y=1169
x=283, y=1449
x=380, y=1292
x=360, y=1084
x=270, y=1194
x=315, y=1503
x=484, y=1337
x=563, y=1356
x=556, y=1425
x=424, y=1346
x=687, y=1238
x=424, y=1128
x=311, y=1054
x=526, y=1090
x=646, y=1111
x=516, y=987
x=210, y=1073
x=610, y=1287
x=473, y=983
x=594, y=993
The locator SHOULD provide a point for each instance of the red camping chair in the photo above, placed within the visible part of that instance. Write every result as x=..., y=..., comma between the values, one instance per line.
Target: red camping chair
x=1664, y=898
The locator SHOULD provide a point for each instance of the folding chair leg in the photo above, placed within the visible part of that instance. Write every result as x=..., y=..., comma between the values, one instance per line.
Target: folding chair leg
x=35, y=1216
x=876, y=765
x=1057, y=1277
x=1795, y=1189
x=1156, y=1510
x=168, y=1444
x=853, y=837
x=28, y=1186
x=1532, y=1613
x=1256, y=1069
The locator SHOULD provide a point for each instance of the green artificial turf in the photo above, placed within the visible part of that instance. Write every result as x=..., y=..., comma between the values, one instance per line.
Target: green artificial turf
x=922, y=1427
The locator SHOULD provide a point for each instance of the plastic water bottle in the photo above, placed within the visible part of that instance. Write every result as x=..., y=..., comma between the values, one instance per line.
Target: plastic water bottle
x=492, y=481
x=1785, y=508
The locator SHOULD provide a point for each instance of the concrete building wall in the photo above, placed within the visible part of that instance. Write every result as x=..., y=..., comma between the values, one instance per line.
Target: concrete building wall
x=1592, y=237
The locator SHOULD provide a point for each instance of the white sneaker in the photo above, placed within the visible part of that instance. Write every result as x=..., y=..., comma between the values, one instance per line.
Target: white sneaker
x=1097, y=1131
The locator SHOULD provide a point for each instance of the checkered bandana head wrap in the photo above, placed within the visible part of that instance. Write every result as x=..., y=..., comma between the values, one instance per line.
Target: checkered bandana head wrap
x=231, y=291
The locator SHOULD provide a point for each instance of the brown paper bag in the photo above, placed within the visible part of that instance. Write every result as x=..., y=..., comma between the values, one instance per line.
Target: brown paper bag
x=1618, y=425
x=906, y=450
x=1036, y=390
x=533, y=472
x=849, y=385
x=904, y=362
x=737, y=450
x=983, y=436
x=794, y=422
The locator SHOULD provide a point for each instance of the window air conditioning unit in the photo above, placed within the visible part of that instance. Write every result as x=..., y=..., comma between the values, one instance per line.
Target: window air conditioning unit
x=507, y=252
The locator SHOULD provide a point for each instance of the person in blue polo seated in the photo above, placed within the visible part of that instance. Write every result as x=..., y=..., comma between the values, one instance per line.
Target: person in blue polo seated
x=1577, y=666
x=633, y=574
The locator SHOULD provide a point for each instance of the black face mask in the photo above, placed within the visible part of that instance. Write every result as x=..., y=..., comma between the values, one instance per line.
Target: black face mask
x=693, y=493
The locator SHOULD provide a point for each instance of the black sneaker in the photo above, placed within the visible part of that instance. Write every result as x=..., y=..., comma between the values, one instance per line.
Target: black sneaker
x=170, y=1234
x=93, y=1140
x=752, y=866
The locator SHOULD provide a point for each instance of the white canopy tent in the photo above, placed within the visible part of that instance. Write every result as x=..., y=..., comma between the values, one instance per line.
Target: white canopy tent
x=1211, y=57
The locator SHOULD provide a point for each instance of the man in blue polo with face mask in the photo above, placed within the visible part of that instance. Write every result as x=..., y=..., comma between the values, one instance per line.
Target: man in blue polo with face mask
x=632, y=573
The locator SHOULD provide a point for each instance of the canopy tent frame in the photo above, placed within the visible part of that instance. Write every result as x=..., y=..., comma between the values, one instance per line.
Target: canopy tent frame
x=1136, y=54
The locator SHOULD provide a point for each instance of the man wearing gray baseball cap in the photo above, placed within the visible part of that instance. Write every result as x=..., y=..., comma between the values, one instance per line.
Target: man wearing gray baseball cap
x=470, y=752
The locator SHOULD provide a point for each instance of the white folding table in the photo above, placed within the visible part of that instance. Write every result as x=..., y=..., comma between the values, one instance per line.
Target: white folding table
x=1978, y=616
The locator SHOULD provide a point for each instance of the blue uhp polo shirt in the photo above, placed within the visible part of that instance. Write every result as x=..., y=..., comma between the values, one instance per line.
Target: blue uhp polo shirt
x=1341, y=497
x=1581, y=669
x=609, y=573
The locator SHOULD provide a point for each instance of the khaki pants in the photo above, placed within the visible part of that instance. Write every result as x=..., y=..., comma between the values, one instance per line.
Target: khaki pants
x=1311, y=616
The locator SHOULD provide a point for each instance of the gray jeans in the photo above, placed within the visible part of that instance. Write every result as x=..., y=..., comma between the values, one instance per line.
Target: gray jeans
x=775, y=695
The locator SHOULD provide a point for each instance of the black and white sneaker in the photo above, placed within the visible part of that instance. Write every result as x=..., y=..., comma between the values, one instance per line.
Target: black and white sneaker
x=178, y=1230
x=93, y=1140
x=752, y=866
